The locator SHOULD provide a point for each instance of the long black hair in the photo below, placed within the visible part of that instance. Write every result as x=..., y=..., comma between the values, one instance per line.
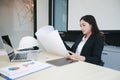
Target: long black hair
x=91, y=20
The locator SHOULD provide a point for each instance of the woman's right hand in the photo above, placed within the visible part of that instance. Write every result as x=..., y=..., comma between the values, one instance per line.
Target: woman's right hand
x=73, y=56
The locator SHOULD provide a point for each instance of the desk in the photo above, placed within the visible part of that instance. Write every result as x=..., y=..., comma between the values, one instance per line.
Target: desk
x=75, y=71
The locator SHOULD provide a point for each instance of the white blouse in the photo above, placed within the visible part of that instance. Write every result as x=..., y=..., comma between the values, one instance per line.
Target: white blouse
x=81, y=44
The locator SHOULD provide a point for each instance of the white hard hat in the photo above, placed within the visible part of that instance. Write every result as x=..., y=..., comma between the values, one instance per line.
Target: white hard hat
x=28, y=42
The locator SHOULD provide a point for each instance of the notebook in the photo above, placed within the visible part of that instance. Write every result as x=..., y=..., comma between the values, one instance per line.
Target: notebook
x=25, y=56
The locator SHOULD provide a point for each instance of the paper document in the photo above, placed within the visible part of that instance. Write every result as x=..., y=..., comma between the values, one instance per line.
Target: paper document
x=19, y=70
x=51, y=40
x=2, y=52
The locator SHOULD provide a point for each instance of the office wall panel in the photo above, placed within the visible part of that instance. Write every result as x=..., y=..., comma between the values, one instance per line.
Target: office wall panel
x=42, y=13
x=106, y=12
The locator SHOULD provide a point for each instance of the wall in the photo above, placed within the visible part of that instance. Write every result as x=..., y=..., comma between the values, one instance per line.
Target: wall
x=14, y=21
x=42, y=13
x=106, y=12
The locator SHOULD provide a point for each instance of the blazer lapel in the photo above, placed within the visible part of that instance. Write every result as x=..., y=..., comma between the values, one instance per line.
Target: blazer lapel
x=76, y=45
x=89, y=41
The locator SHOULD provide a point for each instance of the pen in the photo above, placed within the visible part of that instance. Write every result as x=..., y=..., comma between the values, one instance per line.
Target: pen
x=70, y=53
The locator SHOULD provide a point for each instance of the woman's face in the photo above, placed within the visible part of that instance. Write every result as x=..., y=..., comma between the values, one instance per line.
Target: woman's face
x=85, y=27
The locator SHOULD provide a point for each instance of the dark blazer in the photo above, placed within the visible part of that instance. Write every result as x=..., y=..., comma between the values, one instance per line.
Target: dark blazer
x=92, y=49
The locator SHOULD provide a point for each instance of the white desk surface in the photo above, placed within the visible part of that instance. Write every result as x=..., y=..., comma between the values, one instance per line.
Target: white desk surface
x=75, y=71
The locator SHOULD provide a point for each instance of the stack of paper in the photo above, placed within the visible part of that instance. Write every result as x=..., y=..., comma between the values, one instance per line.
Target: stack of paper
x=19, y=70
x=2, y=52
x=51, y=40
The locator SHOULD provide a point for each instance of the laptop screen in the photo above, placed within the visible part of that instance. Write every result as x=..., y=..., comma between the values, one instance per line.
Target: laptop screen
x=8, y=46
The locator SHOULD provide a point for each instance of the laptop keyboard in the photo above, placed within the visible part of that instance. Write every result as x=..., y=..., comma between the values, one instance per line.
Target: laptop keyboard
x=20, y=56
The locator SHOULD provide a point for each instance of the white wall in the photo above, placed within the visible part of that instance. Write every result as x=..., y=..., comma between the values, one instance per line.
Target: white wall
x=106, y=12
x=13, y=21
x=42, y=13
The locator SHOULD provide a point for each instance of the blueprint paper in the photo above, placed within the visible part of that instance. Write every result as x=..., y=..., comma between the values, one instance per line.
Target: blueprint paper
x=51, y=40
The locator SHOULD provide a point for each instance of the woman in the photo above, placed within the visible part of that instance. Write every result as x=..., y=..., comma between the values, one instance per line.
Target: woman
x=89, y=48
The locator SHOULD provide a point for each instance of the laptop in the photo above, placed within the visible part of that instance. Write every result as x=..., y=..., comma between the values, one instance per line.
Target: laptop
x=13, y=57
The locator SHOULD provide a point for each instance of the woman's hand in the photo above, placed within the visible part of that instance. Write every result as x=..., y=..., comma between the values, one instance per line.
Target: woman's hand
x=74, y=56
